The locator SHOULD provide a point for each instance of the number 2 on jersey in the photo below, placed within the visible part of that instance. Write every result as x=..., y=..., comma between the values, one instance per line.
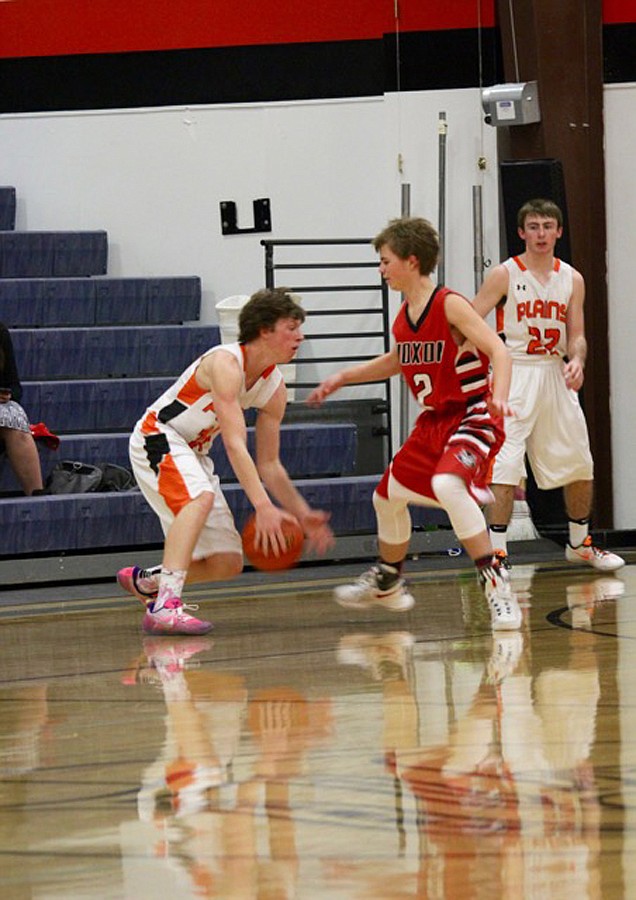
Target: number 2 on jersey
x=423, y=379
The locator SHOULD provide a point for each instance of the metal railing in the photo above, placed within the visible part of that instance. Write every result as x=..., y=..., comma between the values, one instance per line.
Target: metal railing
x=318, y=285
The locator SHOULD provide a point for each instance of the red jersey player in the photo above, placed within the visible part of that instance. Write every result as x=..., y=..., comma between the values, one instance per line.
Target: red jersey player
x=443, y=350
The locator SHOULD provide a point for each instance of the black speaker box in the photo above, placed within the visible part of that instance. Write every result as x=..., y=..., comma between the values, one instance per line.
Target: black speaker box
x=523, y=180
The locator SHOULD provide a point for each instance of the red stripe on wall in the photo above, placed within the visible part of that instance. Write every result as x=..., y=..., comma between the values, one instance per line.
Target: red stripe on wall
x=617, y=11
x=64, y=27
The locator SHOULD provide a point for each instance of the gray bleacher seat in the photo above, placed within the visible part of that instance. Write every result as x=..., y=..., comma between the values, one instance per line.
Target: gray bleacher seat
x=107, y=352
x=169, y=349
x=348, y=499
x=319, y=451
x=21, y=303
x=90, y=405
x=161, y=301
x=25, y=253
x=124, y=520
x=47, y=302
x=7, y=208
x=62, y=301
x=52, y=254
x=71, y=521
x=110, y=404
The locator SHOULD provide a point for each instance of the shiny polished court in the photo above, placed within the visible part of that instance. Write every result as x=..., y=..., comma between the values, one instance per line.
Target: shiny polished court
x=306, y=751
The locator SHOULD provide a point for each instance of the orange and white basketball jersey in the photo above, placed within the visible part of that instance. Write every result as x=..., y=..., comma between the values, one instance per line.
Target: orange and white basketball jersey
x=189, y=409
x=533, y=318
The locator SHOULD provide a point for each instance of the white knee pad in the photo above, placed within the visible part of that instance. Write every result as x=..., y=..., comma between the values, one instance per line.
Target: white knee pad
x=394, y=520
x=466, y=517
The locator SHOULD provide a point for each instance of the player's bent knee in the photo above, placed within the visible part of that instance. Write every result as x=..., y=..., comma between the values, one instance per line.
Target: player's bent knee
x=394, y=520
x=464, y=513
x=222, y=566
x=233, y=564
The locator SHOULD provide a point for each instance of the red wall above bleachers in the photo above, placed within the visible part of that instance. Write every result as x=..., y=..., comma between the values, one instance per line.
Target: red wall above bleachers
x=63, y=27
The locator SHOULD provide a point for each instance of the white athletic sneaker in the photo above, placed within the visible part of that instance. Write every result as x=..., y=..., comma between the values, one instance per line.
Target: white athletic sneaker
x=368, y=591
x=507, y=648
x=505, y=614
x=384, y=655
x=608, y=589
x=583, y=598
x=588, y=554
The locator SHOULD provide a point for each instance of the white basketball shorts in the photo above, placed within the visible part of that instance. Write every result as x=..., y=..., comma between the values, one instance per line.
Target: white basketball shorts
x=170, y=474
x=549, y=426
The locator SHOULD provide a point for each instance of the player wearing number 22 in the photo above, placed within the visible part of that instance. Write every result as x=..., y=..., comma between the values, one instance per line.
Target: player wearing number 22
x=443, y=349
x=539, y=300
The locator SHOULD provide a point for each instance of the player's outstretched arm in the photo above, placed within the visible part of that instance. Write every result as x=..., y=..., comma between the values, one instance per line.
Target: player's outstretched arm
x=376, y=369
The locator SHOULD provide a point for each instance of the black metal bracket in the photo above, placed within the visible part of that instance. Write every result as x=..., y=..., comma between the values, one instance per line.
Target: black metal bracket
x=262, y=217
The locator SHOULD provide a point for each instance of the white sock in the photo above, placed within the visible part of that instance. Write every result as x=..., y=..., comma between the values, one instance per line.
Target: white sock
x=578, y=531
x=170, y=586
x=499, y=539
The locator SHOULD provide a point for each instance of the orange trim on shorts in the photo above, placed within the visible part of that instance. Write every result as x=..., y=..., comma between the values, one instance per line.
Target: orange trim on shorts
x=172, y=487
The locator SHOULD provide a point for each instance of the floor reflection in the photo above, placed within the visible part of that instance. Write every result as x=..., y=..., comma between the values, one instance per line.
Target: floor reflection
x=305, y=751
x=219, y=821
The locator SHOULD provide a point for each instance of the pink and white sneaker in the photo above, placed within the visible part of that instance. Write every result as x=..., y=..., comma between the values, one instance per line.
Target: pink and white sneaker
x=173, y=656
x=172, y=618
x=128, y=580
x=165, y=658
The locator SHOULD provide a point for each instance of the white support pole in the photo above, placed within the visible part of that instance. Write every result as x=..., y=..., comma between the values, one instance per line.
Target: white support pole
x=478, y=236
x=442, y=130
x=404, y=391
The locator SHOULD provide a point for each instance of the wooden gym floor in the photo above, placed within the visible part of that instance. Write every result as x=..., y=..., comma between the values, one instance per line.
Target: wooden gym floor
x=305, y=751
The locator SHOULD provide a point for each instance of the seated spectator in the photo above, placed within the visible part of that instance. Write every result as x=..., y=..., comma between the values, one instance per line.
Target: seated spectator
x=16, y=439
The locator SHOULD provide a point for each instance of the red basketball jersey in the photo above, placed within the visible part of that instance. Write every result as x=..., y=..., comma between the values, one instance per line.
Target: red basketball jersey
x=440, y=374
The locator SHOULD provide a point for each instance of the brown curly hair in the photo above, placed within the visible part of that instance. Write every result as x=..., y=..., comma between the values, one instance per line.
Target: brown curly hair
x=264, y=309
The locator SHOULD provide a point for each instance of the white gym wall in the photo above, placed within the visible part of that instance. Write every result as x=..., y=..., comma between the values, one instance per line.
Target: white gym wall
x=154, y=179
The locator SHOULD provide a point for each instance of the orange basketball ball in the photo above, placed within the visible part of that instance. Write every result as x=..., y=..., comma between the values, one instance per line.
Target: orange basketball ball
x=294, y=539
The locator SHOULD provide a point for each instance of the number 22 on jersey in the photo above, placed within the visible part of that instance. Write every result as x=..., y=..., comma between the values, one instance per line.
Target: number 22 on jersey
x=543, y=344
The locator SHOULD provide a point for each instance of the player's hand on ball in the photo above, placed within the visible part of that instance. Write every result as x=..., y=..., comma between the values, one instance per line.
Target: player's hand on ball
x=279, y=548
x=319, y=534
x=269, y=537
